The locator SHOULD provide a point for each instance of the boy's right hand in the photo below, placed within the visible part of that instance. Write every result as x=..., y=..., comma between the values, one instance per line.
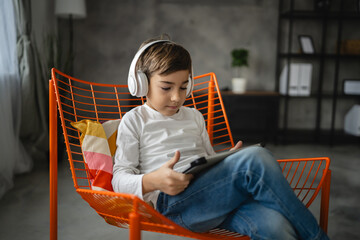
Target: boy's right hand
x=166, y=179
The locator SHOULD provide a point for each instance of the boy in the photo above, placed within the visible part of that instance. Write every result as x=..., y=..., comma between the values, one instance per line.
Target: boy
x=244, y=193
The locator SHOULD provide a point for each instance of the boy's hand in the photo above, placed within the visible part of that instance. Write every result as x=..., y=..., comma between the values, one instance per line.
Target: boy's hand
x=166, y=179
x=237, y=146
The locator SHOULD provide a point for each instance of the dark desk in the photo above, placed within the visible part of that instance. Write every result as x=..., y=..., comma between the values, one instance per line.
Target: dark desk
x=253, y=116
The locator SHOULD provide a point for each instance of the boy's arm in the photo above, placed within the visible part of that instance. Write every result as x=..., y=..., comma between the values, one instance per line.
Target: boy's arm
x=126, y=175
x=166, y=179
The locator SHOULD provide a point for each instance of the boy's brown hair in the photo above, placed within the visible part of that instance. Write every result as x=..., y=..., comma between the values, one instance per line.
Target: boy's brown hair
x=163, y=58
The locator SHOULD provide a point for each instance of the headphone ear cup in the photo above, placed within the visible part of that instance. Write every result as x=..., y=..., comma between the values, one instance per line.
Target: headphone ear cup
x=190, y=86
x=138, y=86
x=143, y=84
x=132, y=85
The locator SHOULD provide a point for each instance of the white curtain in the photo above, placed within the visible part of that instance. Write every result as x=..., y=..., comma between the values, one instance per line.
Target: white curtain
x=13, y=157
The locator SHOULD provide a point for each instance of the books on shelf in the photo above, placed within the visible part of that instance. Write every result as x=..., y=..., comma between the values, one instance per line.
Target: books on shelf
x=299, y=79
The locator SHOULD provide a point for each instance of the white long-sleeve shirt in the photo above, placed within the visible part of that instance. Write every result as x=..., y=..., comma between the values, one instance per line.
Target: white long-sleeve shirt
x=147, y=139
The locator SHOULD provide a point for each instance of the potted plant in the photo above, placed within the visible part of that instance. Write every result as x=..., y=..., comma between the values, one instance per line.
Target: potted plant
x=239, y=61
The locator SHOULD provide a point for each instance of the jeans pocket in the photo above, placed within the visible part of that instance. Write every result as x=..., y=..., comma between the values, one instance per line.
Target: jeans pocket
x=161, y=203
x=176, y=218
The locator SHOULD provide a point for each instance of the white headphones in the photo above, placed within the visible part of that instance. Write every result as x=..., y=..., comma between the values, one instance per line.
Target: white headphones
x=137, y=80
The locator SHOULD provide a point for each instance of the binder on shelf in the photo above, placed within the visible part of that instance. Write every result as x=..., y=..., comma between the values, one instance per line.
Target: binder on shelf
x=292, y=90
x=305, y=79
x=299, y=79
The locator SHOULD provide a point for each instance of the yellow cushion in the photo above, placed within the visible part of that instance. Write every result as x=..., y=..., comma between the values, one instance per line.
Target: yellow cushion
x=98, y=144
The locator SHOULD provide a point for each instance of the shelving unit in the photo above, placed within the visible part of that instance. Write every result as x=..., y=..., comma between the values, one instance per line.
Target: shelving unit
x=335, y=19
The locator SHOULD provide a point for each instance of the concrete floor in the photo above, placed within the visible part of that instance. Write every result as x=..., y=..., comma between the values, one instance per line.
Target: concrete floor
x=24, y=210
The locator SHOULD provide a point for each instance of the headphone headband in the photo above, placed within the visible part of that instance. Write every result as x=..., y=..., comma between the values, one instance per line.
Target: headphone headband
x=137, y=80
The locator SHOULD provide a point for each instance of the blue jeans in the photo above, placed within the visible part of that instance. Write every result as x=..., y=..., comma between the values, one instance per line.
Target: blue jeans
x=245, y=193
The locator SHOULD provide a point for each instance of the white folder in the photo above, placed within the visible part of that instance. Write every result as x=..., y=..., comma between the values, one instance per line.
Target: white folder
x=299, y=79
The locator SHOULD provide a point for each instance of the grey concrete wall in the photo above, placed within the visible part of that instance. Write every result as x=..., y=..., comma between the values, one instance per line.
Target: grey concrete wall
x=108, y=38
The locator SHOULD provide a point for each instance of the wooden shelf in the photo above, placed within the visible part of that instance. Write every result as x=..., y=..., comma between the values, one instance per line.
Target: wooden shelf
x=346, y=15
x=318, y=55
x=252, y=93
x=323, y=95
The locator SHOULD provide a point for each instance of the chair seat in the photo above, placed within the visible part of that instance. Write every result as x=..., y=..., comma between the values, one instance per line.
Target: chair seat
x=116, y=209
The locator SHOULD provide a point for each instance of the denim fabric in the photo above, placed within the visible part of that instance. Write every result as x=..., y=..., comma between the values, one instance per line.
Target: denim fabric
x=259, y=222
x=246, y=193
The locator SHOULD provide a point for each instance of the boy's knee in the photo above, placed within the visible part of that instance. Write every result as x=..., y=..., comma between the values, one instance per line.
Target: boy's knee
x=253, y=159
x=258, y=155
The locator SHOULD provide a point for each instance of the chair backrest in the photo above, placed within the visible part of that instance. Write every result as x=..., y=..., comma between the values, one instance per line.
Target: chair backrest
x=78, y=100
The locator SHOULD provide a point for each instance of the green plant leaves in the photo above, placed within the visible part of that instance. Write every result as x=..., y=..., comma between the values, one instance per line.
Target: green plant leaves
x=239, y=57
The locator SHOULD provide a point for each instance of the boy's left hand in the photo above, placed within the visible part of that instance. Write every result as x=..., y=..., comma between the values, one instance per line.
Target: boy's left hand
x=237, y=146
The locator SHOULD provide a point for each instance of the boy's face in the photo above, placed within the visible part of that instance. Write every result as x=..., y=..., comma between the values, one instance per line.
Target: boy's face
x=168, y=93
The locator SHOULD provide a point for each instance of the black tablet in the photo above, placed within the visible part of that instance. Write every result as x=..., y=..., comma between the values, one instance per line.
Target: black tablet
x=205, y=162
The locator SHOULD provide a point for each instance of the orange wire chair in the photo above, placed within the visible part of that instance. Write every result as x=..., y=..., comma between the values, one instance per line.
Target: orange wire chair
x=76, y=100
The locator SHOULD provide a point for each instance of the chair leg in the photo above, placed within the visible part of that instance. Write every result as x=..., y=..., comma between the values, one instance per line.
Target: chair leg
x=53, y=161
x=325, y=197
x=134, y=222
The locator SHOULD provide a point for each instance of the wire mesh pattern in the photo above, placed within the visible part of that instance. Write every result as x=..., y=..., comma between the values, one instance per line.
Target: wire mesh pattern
x=305, y=176
x=115, y=209
x=78, y=100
